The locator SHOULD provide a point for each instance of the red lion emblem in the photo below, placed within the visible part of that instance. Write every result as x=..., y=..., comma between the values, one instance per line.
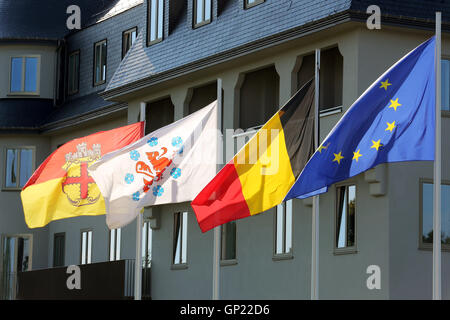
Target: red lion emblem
x=159, y=163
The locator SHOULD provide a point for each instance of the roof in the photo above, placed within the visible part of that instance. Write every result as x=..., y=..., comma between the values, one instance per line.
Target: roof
x=12, y=113
x=46, y=19
x=235, y=31
x=42, y=115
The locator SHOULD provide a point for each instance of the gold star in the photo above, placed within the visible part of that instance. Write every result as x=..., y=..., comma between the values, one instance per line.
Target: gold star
x=390, y=126
x=338, y=157
x=356, y=155
x=376, y=144
x=394, y=104
x=322, y=147
x=385, y=84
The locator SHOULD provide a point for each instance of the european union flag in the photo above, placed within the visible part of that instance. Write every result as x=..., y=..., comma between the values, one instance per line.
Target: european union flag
x=392, y=121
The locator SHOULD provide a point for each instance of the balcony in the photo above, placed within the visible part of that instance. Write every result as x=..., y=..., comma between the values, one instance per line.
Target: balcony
x=112, y=280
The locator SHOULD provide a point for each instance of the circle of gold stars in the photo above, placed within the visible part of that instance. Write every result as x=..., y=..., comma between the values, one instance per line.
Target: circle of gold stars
x=376, y=144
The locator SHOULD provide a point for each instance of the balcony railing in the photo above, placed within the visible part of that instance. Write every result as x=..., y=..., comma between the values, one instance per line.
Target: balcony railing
x=104, y=280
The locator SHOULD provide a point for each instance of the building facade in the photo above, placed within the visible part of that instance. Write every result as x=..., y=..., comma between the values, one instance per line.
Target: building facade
x=65, y=84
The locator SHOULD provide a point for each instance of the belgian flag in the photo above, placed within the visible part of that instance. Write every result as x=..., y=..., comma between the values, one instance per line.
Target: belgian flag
x=262, y=172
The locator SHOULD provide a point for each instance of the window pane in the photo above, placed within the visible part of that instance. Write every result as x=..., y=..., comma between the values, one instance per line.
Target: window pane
x=16, y=74
x=89, y=247
x=112, y=244
x=177, y=239
x=280, y=228
x=153, y=20
x=103, y=61
x=83, y=247
x=31, y=65
x=207, y=10
x=341, y=217
x=229, y=241
x=26, y=165
x=288, y=226
x=118, y=240
x=184, y=239
x=351, y=216
x=11, y=168
x=445, y=66
x=97, y=63
x=160, y=18
x=199, y=11
x=144, y=243
x=73, y=72
x=427, y=213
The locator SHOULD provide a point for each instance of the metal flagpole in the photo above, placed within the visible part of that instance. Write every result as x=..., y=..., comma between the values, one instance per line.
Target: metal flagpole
x=315, y=207
x=437, y=171
x=216, y=254
x=139, y=219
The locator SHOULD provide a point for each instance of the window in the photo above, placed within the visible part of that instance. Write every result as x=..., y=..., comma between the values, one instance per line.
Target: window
x=100, y=63
x=114, y=244
x=146, y=245
x=345, y=217
x=19, y=167
x=426, y=237
x=331, y=77
x=283, y=229
x=155, y=17
x=74, y=72
x=202, y=12
x=59, y=248
x=257, y=109
x=228, y=241
x=86, y=246
x=128, y=38
x=180, y=238
x=24, y=76
x=445, y=93
x=252, y=3
x=159, y=114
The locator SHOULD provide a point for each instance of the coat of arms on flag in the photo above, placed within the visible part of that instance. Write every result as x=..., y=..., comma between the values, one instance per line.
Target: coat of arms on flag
x=62, y=187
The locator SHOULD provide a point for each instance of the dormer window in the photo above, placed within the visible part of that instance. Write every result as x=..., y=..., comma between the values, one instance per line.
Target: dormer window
x=252, y=3
x=155, y=21
x=202, y=12
x=100, y=63
x=24, y=75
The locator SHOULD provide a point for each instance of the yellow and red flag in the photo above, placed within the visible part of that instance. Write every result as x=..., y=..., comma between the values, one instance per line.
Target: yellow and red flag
x=62, y=187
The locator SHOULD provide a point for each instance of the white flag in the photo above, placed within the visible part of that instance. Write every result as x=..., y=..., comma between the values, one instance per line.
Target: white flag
x=170, y=165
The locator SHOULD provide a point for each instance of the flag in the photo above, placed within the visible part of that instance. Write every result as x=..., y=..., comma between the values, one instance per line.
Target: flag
x=170, y=165
x=62, y=188
x=262, y=172
x=392, y=121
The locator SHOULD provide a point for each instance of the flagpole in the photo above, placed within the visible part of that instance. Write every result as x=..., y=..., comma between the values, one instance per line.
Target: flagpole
x=216, y=254
x=437, y=171
x=315, y=207
x=139, y=220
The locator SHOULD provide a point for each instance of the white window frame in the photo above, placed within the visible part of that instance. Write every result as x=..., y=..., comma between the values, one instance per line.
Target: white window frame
x=155, y=24
x=179, y=259
x=38, y=76
x=100, y=45
x=283, y=231
x=73, y=73
x=33, y=166
x=146, y=244
x=86, y=251
x=128, y=32
x=346, y=249
x=115, y=242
